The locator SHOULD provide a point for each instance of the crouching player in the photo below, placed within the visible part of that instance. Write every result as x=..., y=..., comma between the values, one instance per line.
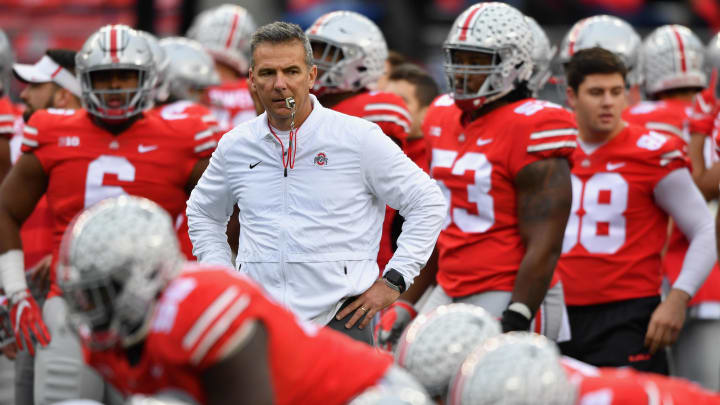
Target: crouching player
x=150, y=322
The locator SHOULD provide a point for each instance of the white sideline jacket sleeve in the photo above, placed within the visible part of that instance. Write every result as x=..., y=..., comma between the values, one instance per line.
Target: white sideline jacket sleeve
x=401, y=184
x=678, y=196
x=208, y=210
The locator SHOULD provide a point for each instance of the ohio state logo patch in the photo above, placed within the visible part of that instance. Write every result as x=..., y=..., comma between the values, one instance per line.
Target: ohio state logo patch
x=321, y=159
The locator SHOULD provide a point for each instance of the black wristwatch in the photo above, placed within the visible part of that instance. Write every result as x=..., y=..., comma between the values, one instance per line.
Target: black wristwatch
x=395, y=280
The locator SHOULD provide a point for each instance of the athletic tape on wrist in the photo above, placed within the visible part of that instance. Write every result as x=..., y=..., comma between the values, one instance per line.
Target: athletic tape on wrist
x=521, y=309
x=12, y=272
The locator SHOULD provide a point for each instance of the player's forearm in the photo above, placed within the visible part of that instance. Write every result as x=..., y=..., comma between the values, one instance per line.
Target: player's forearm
x=679, y=198
x=544, y=200
x=534, y=277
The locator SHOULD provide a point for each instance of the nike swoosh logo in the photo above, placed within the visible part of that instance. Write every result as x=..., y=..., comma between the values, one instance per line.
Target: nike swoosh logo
x=253, y=166
x=481, y=142
x=18, y=315
x=145, y=149
x=612, y=166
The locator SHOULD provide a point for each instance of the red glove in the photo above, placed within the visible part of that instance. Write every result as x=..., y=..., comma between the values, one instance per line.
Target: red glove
x=26, y=319
x=705, y=106
x=393, y=321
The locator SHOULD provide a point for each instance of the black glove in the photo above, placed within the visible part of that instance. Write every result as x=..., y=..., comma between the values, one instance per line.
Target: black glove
x=514, y=321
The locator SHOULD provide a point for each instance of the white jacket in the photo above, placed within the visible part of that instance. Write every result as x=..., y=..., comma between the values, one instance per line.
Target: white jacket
x=311, y=238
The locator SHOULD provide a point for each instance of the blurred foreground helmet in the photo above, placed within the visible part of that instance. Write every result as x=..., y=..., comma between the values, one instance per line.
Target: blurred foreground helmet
x=115, y=258
x=191, y=68
x=225, y=32
x=353, y=52
x=116, y=48
x=607, y=32
x=501, y=43
x=542, y=55
x=397, y=387
x=434, y=344
x=6, y=62
x=512, y=369
x=162, y=63
x=168, y=397
x=672, y=57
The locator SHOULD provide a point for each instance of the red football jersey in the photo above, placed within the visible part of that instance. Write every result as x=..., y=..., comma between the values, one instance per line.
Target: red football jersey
x=622, y=386
x=180, y=110
x=475, y=164
x=615, y=232
x=389, y=111
x=669, y=117
x=86, y=164
x=416, y=150
x=232, y=104
x=9, y=114
x=202, y=316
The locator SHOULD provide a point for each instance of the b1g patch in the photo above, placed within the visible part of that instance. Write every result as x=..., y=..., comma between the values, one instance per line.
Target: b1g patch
x=321, y=159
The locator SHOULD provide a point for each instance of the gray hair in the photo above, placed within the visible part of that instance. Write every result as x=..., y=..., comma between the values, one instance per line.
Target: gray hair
x=280, y=32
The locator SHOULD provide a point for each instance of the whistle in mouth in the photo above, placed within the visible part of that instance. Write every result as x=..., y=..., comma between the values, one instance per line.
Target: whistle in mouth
x=290, y=103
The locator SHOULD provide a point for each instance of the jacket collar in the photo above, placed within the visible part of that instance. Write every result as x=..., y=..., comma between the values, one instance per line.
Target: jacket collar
x=307, y=128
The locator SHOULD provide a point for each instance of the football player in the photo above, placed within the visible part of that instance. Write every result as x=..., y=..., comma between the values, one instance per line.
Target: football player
x=225, y=33
x=702, y=124
x=611, y=33
x=501, y=158
x=350, y=51
x=78, y=158
x=49, y=83
x=190, y=71
x=672, y=86
x=627, y=182
x=149, y=321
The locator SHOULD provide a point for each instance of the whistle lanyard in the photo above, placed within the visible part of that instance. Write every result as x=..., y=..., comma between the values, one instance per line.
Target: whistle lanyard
x=292, y=143
x=292, y=147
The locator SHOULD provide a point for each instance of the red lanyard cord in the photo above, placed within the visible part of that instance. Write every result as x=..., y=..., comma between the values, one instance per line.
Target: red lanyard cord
x=292, y=146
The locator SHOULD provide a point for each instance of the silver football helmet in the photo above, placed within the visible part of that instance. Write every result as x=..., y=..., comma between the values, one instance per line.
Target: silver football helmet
x=397, y=387
x=353, y=52
x=6, y=62
x=116, y=47
x=191, y=68
x=434, y=344
x=607, y=32
x=162, y=63
x=512, y=369
x=542, y=55
x=499, y=33
x=115, y=259
x=225, y=32
x=672, y=57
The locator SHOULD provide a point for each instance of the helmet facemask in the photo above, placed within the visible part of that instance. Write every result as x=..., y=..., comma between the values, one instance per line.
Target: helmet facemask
x=115, y=309
x=119, y=103
x=500, y=78
x=341, y=67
